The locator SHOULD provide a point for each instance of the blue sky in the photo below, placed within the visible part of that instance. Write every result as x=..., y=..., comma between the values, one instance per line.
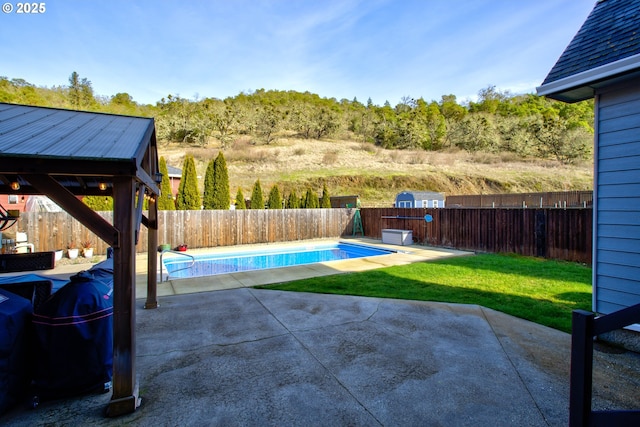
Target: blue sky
x=379, y=49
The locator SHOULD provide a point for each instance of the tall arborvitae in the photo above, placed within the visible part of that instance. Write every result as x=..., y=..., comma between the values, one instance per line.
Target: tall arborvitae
x=209, y=185
x=165, y=201
x=221, y=195
x=275, y=200
x=293, y=202
x=257, y=199
x=240, y=203
x=325, y=201
x=188, y=194
x=311, y=200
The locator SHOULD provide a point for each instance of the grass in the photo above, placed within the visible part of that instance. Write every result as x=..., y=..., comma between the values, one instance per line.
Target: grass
x=542, y=291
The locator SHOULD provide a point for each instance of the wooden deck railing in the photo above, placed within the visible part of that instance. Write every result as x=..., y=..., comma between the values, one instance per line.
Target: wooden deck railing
x=585, y=326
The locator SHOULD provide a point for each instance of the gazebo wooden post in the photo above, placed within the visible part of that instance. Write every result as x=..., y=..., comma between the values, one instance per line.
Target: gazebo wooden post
x=125, y=388
x=152, y=261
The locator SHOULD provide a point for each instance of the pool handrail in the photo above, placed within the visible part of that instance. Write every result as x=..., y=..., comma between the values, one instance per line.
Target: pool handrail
x=193, y=261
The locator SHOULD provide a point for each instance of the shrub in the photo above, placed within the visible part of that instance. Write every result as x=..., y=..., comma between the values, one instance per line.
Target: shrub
x=325, y=201
x=293, y=202
x=240, y=203
x=221, y=194
x=188, y=194
x=329, y=158
x=165, y=201
x=275, y=200
x=257, y=199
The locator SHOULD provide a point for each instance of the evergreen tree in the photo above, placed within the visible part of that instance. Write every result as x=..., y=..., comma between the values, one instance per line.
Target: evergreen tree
x=240, y=203
x=165, y=201
x=80, y=92
x=188, y=194
x=311, y=200
x=221, y=196
x=325, y=202
x=275, y=200
x=257, y=199
x=293, y=202
x=208, y=199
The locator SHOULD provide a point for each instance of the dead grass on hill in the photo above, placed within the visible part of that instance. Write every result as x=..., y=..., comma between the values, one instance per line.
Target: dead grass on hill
x=377, y=174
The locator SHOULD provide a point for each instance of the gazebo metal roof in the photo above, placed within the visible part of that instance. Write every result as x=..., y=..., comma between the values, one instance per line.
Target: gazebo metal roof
x=80, y=149
x=64, y=153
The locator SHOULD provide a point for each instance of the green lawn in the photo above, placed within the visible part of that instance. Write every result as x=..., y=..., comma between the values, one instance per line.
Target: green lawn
x=539, y=290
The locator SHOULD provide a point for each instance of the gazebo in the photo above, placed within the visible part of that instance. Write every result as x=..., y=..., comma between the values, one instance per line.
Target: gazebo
x=63, y=154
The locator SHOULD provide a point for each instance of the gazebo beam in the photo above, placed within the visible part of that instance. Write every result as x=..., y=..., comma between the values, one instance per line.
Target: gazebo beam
x=70, y=203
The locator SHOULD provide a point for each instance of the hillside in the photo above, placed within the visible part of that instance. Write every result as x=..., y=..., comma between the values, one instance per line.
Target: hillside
x=300, y=140
x=377, y=174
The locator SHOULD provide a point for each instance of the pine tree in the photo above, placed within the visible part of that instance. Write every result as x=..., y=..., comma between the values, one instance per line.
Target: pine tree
x=325, y=202
x=221, y=196
x=275, y=200
x=240, y=203
x=165, y=201
x=188, y=194
x=257, y=199
x=293, y=202
x=208, y=199
x=80, y=92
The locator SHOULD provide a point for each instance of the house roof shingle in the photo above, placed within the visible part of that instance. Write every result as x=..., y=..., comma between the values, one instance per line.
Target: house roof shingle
x=610, y=34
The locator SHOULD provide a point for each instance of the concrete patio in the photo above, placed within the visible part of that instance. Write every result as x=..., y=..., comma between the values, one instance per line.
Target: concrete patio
x=246, y=356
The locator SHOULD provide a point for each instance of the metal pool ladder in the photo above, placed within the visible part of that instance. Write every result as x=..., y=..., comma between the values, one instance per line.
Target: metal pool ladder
x=193, y=261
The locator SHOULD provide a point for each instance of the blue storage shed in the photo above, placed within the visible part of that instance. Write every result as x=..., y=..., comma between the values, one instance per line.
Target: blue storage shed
x=420, y=199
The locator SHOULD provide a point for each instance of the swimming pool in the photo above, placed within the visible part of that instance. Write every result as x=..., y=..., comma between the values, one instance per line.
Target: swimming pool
x=180, y=266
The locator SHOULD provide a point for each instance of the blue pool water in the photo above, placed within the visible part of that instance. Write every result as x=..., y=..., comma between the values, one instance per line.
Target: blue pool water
x=180, y=266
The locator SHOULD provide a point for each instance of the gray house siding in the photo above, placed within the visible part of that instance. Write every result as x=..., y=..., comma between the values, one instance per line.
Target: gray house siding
x=617, y=199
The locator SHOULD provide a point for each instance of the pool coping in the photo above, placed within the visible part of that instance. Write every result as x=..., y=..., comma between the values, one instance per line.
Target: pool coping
x=403, y=255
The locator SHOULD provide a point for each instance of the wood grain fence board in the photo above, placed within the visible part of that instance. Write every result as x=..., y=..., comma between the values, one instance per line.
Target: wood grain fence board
x=555, y=199
x=566, y=232
x=553, y=233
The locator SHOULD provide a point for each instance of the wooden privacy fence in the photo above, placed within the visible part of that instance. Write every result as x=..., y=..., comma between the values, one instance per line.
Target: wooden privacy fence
x=551, y=233
x=553, y=199
x=206, y=228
